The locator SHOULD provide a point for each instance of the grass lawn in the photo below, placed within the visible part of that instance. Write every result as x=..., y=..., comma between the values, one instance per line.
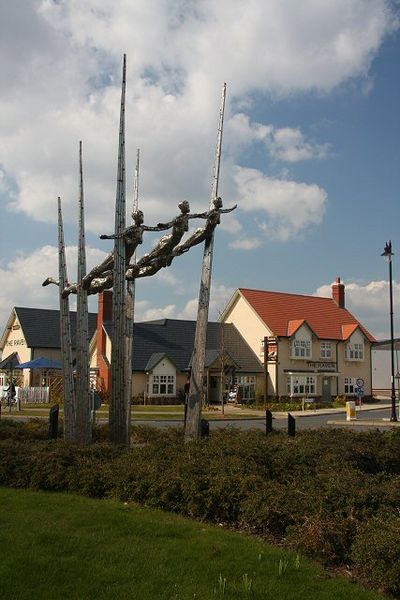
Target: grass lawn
x=142, y=413
x=57, y=546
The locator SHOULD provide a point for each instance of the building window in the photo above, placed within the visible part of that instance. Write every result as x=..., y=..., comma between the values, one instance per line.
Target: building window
x=301, y=349
x=163, y=385
x=355, y=351
x=326, y=350
x=350, y=385
x=301, y=385
x=247, y=385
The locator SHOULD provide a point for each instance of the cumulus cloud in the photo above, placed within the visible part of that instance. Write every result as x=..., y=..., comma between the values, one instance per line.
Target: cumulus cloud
x=369, y=302
x=22, y=278
x=220, y=295
x=61, y=78
x=290, y=207
x=285, y=144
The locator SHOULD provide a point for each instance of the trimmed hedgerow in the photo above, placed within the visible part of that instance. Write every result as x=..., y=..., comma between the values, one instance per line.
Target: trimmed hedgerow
x=319, y=492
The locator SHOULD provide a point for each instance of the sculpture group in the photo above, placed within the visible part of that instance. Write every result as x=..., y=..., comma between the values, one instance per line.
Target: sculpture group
x=120, y=270
x=101, y=277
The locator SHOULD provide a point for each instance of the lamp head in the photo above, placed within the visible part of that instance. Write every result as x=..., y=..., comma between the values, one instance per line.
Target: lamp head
x=387, y=252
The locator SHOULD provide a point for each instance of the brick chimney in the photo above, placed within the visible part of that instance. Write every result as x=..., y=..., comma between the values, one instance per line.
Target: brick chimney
x=338, y=293
x=104, y=314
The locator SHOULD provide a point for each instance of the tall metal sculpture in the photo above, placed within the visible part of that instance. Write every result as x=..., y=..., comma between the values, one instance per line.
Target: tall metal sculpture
x=65, y=338
x=82, y=385
x=120, y=270
x=119, y=411
x=193, y=418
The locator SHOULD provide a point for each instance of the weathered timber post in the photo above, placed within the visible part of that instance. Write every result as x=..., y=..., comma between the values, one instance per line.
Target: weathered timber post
x=193, y=419
x=65, y=337
x=119, y=415
x=82, y=384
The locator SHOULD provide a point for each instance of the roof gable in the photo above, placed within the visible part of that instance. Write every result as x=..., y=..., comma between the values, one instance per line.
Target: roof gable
x=323, y=315
x=41, y=327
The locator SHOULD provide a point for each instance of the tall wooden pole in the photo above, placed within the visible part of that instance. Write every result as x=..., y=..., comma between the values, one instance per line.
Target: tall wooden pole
x=83, y=422
x=130, y=307
x=119, y=416
x=65, y=338
x=192, y=428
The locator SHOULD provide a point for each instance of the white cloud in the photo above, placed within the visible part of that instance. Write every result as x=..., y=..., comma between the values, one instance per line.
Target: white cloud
x=369, y=302
x=246, y=244
x=60, y=66
x=290, y=145
x=220, y=295
x=285, y=144
x=291, y=207
x=22, y=278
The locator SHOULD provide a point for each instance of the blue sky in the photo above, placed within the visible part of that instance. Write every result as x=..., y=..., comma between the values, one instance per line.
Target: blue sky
x=311, y=142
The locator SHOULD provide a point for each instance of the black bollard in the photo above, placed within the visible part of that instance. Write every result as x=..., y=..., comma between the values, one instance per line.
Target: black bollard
x=53, y=421
x=268, y=422
x=204, y=428
x=291, y=425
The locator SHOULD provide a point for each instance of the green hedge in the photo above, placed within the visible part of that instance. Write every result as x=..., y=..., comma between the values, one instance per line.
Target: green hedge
x=325, y=492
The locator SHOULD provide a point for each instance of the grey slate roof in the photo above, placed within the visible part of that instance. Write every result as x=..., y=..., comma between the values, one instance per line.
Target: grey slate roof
x=175, y=338
x=41, y=326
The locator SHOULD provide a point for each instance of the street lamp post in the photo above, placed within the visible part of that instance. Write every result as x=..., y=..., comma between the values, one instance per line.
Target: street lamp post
x=387, y=254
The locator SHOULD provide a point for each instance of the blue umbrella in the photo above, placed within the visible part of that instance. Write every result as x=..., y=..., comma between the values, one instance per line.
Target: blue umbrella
x=41, y=363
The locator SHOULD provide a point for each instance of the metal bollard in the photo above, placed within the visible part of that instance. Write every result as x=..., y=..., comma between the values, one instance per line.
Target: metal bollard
x=204, y=428
x=291, y=425
x=268, y=422
x=53, y=421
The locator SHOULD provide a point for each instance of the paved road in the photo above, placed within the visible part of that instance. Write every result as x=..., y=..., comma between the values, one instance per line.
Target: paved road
x=308, y=421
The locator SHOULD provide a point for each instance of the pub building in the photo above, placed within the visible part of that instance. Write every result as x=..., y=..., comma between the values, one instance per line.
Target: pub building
x=310, y=346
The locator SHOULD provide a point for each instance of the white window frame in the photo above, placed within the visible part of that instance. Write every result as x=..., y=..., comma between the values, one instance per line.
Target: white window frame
x=163, y=385
x=301, y=349
x=326, y=350
x=355, y=351
x=350, y=386
x=302, y=385
x=247, y=385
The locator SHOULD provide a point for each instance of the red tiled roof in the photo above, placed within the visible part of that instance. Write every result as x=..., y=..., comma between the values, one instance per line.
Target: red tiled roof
x=280, y=312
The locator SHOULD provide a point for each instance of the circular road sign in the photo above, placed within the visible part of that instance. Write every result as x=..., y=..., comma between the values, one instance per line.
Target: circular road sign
x=360, y=382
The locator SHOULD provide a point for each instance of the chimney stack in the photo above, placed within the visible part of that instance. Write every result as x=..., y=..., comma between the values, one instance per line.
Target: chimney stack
x=338, y=293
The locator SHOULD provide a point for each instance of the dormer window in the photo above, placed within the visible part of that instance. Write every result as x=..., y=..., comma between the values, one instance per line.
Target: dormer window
x=301, y=349
x=355, y=351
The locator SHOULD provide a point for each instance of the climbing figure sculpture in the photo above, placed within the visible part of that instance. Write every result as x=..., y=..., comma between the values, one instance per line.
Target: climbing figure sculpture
x=133, y=236
x=161, y=255
x=213, y=217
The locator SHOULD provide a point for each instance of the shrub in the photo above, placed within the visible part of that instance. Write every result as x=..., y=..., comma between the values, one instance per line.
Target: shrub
x=376, y=552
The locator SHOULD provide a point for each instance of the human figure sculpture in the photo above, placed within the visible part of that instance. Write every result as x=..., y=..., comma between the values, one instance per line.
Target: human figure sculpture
x=213, y=217
x=133, y=236
x=98, y=284
x=165, y=246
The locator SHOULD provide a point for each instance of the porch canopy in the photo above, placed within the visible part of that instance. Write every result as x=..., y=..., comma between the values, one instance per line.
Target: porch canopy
x=40, y=363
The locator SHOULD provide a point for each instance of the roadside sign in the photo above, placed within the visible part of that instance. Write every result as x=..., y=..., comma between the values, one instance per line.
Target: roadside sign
x=360, y=382
x=360, y=392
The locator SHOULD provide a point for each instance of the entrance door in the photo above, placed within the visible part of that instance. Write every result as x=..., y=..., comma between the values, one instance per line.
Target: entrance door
x=215, y=386
x=326, y=389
